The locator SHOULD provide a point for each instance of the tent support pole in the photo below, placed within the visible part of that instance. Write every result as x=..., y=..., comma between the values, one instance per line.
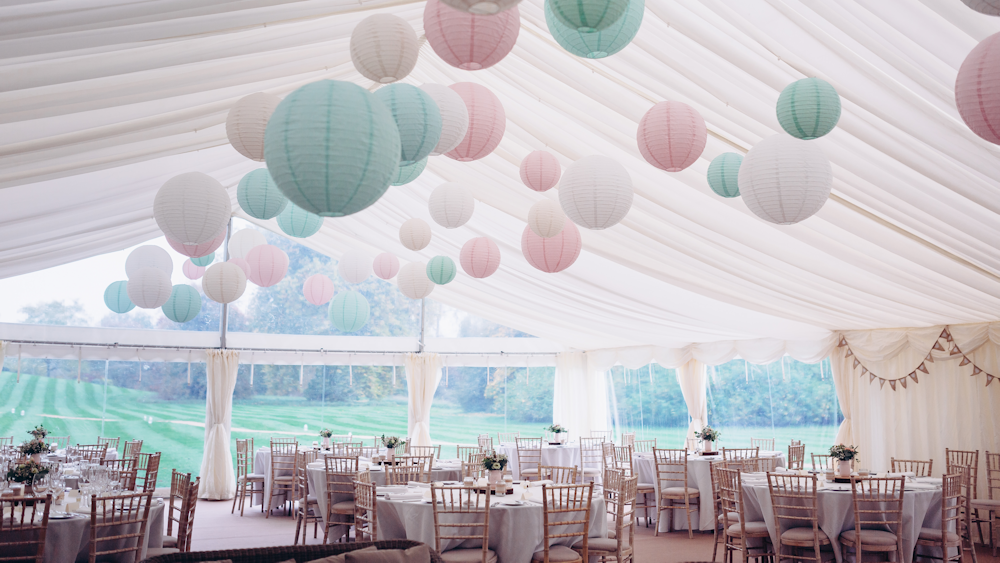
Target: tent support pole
x=224, y=319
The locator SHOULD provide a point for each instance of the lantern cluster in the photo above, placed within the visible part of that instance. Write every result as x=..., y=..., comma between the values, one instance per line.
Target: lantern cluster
x=148, y=269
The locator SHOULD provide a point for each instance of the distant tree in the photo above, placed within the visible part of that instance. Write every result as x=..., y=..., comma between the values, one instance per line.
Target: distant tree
x=55, y=313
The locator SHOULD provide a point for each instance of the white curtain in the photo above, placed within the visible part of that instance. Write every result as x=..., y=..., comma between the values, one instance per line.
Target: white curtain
x=3, y=352
x=218, y=481
x=844, y=384
x=692, y=378
x=580, y=401
x=423, y=373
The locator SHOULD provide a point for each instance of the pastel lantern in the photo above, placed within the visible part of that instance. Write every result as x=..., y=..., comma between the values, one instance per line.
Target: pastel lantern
x=246, y=122
x=349, y=311
x=988, y=7
x=454, y=116
x=441, y=270
x=409, y=172
x=540, y=171
x=297, y=222
x=597, y=44
x=149, y=287
x=355, y=266
x=197, y=250
x=386, y=266
x=484, y=7
x=148, y=256
x=977, y=89
x=480, y=257
x=116, y=297
x=785, y=180
x=191, y=270
x=332, y=148
x=413, y=282
x=723, y=174
x=469, y=41
x=318, y=289
x=203, y=260
x=258, y=195
x=546, y=218
x=192, y=208
x=243, y=240
x=242, y=263
x=384, y=48
x=268, y=265
x=671, y=136
x=224, y=282
x=417, y=118
x=596, y=192
x=451, y=205
x=808, y=108
x=588, y=15
x=487, y=122
x=415, y=234
x=183, y=305
x=553, y=254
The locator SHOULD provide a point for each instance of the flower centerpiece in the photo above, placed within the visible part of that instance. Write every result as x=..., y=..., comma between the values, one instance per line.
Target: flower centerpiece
x=34, y=449
x=495, y=463
x=844, y=456
x=39, y=433
x=708, y=436
x=391, y=443
x=25, y=472
x=559, y=431
x=326, y=433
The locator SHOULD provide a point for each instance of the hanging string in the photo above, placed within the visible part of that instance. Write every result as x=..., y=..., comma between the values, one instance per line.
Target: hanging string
x=527, y=373
x=251, y=369
x=79, y=363
x=189, y=367
x=650, y=374
x=139, y=360
x=302, y=369
x=394, y=371
x=350, y=370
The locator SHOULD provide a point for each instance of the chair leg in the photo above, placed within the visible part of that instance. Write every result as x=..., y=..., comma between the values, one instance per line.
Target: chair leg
x=298, y=526
x=233, y=511
x=715, y=540
x=687, y=508
x=659, y=513
x=270, y=498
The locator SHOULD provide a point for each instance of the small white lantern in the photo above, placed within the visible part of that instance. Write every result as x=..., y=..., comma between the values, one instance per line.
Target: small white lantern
x=785, y=180
x=415, y=234
x=454, y=116
x=596, y=192
x=148, y=256
x=355, y=266
x=451, y=205
x=192, y=208
x=546, y=218
x=149, y=288
x=413, y=282
x=242, y=241
x=247, y=121
x=384, y=48
x=224, y=282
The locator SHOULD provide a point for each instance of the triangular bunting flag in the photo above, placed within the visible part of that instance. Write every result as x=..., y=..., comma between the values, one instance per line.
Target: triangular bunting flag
x=864, y=370
x=903, y=382
x=976, y=370
x=843, y=342
x=965, y=361
x=892, y=384
x=922, y=368
x=937, y=346
x=881, y=383
x=871, y=377
x=944, y=334
x=989, y=379
x=856, y=362
x=914, y=376
x=929, y=358
x=955, y=351
x=849, y=352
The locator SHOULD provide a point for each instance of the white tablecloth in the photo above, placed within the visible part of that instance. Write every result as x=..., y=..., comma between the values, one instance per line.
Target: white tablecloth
x=559, y=456
x=68, y=540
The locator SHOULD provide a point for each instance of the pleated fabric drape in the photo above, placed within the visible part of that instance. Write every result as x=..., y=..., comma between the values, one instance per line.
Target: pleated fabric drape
x=423, y=373
x=692, y=377
x=218, y=482
x=580, y=397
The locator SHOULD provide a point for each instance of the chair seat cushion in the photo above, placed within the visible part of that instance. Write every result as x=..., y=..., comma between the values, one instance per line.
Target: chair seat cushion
x=343, y=505
x=471, y=555
x=989, y=504
x=283, y=479
x=733, y=517
x=529, y=472
x=609, y=545
x=418, y=554
x=341, y=557
x=255, y=476
x=679, y=492
x=169, y=541
x=803, y=535
x=869, y=537
x=753, y=528
x=646, y=486
x=557, y=554
x=591, y=471
x=934, y=534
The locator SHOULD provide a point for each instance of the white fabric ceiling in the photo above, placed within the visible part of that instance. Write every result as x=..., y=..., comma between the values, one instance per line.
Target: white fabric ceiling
x=102, y=100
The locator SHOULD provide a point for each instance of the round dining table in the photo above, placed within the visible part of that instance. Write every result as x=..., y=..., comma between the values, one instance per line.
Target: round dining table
x=562, y=455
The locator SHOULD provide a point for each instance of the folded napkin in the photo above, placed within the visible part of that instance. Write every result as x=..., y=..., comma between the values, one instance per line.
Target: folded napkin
x=903, y=474
x=404, y=496
x=538, y=483
x=412, y=484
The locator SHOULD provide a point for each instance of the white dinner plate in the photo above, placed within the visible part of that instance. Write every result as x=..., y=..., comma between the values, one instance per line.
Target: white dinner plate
x=512, y=503
x=60, y=515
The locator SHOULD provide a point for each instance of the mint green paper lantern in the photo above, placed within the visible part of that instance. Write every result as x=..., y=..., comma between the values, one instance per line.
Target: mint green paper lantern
x=417, y=117
x=597, y=44
x=441, y=270
x=332, y=148
x=183, y=305
x=409, y=173
x=259, y=196
x=349, y=311
x=116, y=297
x=297, y=222
x=808, y=108
x=588, y=15
x=203, y=261
x=723, y=173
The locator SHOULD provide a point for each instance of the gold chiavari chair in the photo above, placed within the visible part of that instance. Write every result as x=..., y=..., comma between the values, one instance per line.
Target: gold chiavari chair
x=283, y=452
x=717, y=507
x=426, y=462
x=672, y=478
x=604, y=435
x=796, y=443
x=433, y=452
x=111, y=443
x=179, y=484
x=128, y=512
x=730, y=454
x=965, y=529
x=608, y=453
x=24, y=521
x=474, y=467
x=61, y=442
x=628, y=439
x=132, y=447
x=822, y=462
x=990, y=506
x=462, y=514
x=740, y=533
x=147, y=468
x=644, y=446
x=620, y=505
x=559, y=475
x=187, y=491
x=529, y=457
x=365, y=509
x=921, y=468
x=306, y=505
x=6, y=441
x=462, y=452
x=507, y=437
x=404, y=473
x=351, y=449
x=123, y=471
x=878, y=505
x=766, y=444
x=92, y=453
x=796, y=456
x=485, y=442
x=795, y=505
x=763, y=464
x=565, y=514
x=623, y=459
x=369, y=451
x=946, y=538
x=245, y=478
x=591, y=458
x=964, y=457
x=341, y=472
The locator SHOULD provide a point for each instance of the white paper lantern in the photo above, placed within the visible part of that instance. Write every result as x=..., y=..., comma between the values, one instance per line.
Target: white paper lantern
x=546, y=218
x=355, y=266
x=413, y=282
x=224, y=282
x=386, y=266
x=415, y=234
x=247, y=121
x=451, y=205
x=785, y=180
x=454, y=116
x=192, y=208
x=384, y=48
x=482, y=7
x=149, y=287
x=596, y=192
x=149, y=256
x=243, y=240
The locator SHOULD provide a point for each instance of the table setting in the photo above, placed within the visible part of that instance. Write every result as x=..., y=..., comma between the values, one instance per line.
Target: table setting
x=566, y=454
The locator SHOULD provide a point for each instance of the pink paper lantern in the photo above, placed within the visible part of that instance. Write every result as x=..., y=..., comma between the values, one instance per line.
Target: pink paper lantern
x=468, y=41
x=268, y=265
x=480, y=257
x=198, y=250
x=191, y=271
x=487, y=122
x=977, y=89
x=386, y=266
x=242, y=263
x=318, y=289
x=671, y=136
x=540, y=171
x=553, y=254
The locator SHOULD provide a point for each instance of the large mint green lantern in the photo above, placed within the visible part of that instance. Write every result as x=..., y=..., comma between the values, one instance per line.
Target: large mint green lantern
x=332, y=147
x=349, y=311
x=116, y=297
x=259, y=196
x=597, y=44
x=417, y=117
x=441, y=270
x=409, y=173
x=297, y=222
x=203, y=261
x=588, y=15
x=723, y=174
x=808, y=108
x=183, y=305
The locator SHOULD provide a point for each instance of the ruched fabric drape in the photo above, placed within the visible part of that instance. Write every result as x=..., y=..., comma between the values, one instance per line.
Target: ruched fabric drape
x=218, y=481
x=580, y=397
x=692, y=378
x=423, y=373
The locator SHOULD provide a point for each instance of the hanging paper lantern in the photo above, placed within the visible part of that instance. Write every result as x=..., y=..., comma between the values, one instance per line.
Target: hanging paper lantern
x=148, y=287
x=148, y=256
x=196, y=250
x=349, y=311
x=415, y=234
x=318, y=289
x=268, y=265
x=224, y=282
x=588, y=15
x=413, y=282
x=723, y=174
x=409, y=173
x=297, y=222
x=451, y=205
x=597, y=44
x=671, y=136
x=332, y=148
x=243, y=240
x=386, y=266
x=480, y=257
x=258, y=195
x=540, y=171
x=808, y=108
x=203, y=260
x=469, y=41
x=977, y=89
x=183, y=305
x=441, y=270
x=242, y=263
x=192, y=271
x=546, y=218
x=247, y=121
x=355, y=266
x=192, y=208
x=487, y=122
x=988, y=7
x=784, y=180
x=553, y=254
x=116, y=297
x=417, y=118
x=596, y=192
x=454, y=116
x=483, y=7
x=384, y=48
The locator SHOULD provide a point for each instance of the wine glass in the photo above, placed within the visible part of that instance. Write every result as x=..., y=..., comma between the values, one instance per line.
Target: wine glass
x=40, y=484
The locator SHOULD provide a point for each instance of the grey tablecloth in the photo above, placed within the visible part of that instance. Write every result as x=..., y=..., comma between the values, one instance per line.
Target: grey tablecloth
x=567, y=455
x=68, y=541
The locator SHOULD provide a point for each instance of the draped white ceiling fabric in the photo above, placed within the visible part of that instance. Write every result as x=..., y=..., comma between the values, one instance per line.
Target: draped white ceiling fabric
x=101, y=101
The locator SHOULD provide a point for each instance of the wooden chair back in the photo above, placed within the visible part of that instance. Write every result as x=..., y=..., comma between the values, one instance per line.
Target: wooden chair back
x=251, y=454
x=129, y=513
x=179, y=484
x=628, y=439
x=952, y=502
x=404, y=473
x=623, y=459
x=671, y=468
x=795, y=443
x=608, y=453
x=796, y=456
x=463, y=452
x=341, y=472
x=507, y=437
x=731, y=497
x=766, y=444
x=132, y=447
x=621, y=504
x=6, y=441
x=242, y=459
x=461, y=514
x=22, y=539
x=426, y=462
x=347, y=448
x=485, y=443
x=186, y=526
x=559, y=475
x=993, y=475
x=122, y=470
x=762, y=464
x=365, y=510
x=283, y=457
x=566, y=514
x=147, y=470
x=474, y=466
x=529, y=453
x=795, y=504
x=604, y=435
x=716, y=486
x=645, y=445
x=92, y=453
x=822, y=462
x=729, y=454
x=61, y=442
x=300, y=481
x=592, y=455
x=111, y=443
x=965, y=457
x=878, y=504
x=922, y=468
x=432, y=452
